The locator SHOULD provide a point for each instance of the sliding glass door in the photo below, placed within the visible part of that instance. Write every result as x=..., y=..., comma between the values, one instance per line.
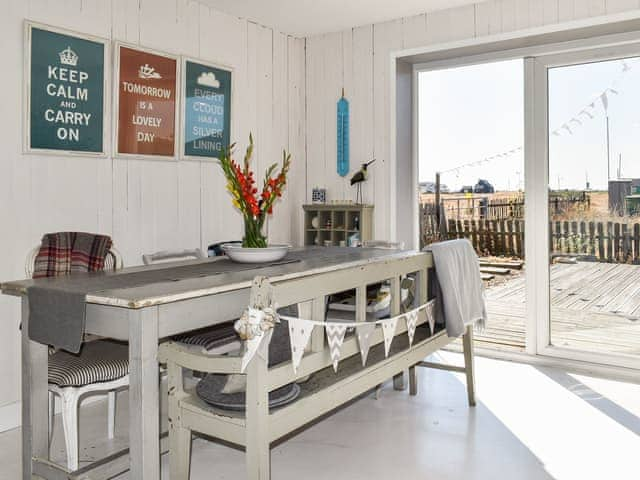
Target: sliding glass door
x=584, y=158
x=471, y=178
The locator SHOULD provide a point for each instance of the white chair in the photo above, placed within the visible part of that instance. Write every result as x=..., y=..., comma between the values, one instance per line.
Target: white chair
x=172, y=256
x=384, y=244
x=101, y=366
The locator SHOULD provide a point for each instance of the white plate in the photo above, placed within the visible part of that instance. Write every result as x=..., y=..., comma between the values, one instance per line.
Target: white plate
x=240, y=254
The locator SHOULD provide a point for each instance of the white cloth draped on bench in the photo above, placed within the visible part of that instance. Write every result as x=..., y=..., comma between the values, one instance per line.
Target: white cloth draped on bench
x=459, y=289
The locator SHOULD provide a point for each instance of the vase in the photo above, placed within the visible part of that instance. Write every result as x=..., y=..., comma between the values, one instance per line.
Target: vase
x=253, y=236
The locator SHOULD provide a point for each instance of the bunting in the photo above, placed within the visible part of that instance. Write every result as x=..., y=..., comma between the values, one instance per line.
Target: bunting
x=411, y=319
x=388, y=331
x=364, y=332
x=299, y=334
x=255, y=327
x=300, y=331
x=252, y=347
x=335, y=337
x=431, y=317
x=568, y=127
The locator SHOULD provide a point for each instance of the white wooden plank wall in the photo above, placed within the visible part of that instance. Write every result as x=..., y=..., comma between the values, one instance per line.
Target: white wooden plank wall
x=145, y=205
x=285, y=92
x=366, y=81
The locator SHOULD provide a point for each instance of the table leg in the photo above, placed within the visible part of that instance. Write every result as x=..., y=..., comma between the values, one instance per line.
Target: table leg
x=35, y=401
x=399, y=379
x=413, y=381
x=144, y=416
x=399, y=382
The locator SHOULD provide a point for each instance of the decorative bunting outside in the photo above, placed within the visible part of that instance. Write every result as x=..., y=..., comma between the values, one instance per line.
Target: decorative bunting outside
x=335, y=337
x=605, y=101
x=364, y=332
x=411, y=319
x=299, y=334
x=568, y=127
x=388, y=330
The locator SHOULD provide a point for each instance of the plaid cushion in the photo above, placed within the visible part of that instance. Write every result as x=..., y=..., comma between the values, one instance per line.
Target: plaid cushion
x=99, y=361
x=62, y=253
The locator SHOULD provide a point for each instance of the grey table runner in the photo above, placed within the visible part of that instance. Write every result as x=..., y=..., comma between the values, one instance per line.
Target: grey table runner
x=57, y=305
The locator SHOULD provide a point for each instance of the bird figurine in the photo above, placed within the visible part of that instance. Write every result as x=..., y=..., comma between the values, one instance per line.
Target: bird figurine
x=359, y=177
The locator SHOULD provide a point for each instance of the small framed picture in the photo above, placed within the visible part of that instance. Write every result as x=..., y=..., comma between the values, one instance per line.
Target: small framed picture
x=146, y=110
x=65, y=92
x=206, y=110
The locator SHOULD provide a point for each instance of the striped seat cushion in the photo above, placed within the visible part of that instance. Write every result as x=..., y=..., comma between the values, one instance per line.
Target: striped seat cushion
x=219, y=338
x=97, y=362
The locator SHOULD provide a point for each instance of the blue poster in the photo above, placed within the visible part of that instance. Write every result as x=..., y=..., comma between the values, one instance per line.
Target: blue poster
x=207, y=110
x=66, y=92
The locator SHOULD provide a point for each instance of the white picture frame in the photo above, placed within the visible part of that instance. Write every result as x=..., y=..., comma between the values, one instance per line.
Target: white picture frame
x=116, y=103
x=183, y=103
x=29, y=25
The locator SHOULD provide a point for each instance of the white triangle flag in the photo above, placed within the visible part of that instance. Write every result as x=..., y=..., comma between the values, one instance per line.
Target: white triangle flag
x=335, y=337
x=412, y=319
x=388, y=330
x=263, y=348
x=605, y=100
x=252, y=346
x=299, y=334
x=250, y=324
x=364, y=332
x=431, y=318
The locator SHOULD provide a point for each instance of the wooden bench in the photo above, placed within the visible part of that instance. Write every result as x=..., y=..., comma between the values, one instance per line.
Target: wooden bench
x=257, y=427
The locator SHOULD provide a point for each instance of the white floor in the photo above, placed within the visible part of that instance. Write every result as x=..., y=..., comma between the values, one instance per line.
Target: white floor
x=530, y=423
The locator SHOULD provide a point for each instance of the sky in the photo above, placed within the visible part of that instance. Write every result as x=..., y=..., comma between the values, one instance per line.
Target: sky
x=472, y=113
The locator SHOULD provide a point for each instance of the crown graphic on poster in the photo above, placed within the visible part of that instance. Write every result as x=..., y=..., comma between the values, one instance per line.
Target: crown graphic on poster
x=145, y=71
x=68, y=57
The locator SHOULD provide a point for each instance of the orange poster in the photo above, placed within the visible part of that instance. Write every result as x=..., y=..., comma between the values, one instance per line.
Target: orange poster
x=146, y=103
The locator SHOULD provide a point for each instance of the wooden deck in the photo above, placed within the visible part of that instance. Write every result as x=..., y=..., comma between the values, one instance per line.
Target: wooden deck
x=595, y=307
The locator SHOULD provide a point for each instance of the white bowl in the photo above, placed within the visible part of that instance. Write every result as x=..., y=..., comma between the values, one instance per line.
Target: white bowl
x=240, y=254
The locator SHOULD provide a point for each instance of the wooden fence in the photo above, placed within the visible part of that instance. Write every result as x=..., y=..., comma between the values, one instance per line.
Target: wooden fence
x=430, y=229
x=601, y=241
x=483, y=207
x=491, y=237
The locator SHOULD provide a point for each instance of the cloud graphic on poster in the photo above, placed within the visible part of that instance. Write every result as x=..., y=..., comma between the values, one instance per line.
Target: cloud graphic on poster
x=208, y=79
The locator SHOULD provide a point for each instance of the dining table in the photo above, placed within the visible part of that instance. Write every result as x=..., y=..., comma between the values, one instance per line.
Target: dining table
x=143, y=306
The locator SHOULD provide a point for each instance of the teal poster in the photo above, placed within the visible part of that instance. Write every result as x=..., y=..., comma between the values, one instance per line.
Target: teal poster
x=66, y=92
x=207, y=110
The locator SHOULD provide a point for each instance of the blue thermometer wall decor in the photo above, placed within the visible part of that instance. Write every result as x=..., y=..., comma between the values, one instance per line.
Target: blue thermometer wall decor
x=343, y=136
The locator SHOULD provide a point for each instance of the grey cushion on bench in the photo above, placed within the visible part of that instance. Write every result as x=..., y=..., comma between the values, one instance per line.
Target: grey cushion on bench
x=98, y=361
x=210, y=338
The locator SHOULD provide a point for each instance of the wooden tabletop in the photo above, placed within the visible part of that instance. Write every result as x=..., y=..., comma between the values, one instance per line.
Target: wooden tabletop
x=316, y=260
